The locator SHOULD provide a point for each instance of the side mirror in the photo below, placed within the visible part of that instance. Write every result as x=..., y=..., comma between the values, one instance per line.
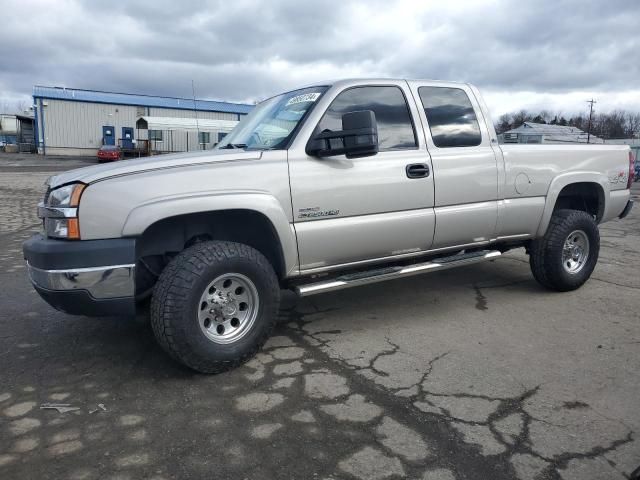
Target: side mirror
x=358, y=137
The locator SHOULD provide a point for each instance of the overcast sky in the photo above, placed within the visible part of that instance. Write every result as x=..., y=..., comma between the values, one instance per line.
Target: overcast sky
x=549, y=54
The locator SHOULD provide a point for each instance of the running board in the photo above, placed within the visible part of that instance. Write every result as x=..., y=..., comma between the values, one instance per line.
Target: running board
x=390, y=273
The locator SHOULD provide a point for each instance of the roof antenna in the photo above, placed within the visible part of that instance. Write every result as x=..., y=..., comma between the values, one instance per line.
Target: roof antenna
x=195, y=109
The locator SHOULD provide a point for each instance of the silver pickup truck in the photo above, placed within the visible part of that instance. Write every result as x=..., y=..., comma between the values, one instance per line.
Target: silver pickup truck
x=327, y=187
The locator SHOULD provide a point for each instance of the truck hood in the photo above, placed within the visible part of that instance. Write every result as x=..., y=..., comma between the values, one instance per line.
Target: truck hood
x=95, y=173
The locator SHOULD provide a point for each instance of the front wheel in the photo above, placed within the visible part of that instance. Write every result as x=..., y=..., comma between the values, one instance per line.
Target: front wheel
x=215, y=305
x=565, y=257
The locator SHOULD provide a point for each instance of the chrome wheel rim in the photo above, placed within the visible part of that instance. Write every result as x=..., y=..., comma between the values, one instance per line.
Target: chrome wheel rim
x=228, y=308
x=575, y=252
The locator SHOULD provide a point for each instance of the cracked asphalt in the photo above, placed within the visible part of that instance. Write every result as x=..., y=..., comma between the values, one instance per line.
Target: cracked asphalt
x=474, y=373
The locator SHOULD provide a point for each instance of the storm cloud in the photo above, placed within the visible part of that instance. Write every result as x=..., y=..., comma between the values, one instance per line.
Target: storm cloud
x=544, y=54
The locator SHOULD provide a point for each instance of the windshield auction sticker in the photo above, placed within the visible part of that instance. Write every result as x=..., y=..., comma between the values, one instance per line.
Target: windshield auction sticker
x=307, y=97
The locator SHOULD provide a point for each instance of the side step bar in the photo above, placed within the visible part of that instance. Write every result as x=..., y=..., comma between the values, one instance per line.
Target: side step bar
x=390, y=273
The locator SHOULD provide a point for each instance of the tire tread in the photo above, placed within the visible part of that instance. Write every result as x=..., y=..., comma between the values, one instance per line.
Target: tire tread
x=543, y=266
x=172, y=291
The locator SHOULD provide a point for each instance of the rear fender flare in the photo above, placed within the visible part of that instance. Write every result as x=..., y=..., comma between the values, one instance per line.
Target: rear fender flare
x=563, y=180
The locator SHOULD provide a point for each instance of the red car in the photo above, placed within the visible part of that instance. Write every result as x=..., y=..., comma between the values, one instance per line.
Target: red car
x=109, y=153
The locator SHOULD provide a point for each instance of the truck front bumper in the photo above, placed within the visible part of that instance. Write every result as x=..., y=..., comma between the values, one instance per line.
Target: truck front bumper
x=87, y=277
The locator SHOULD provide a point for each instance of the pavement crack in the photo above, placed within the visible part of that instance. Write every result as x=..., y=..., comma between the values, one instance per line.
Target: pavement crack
x=559, y=462
x=425, y=375
x=447, y=443
x=615, y=283
x=481, y=300
x=611, y=419
x=385, y=353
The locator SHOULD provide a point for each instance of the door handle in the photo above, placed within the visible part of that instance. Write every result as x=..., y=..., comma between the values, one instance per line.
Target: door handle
x=417, y=170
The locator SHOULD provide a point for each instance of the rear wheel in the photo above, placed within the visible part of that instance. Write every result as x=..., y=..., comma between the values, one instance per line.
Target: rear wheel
x=565, y=257
x=215, y=305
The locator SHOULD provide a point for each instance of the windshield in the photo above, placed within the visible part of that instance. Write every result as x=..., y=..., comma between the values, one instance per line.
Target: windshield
x=272, y=122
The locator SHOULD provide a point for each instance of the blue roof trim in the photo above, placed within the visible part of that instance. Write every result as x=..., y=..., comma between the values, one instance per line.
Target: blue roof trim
x=77, y=95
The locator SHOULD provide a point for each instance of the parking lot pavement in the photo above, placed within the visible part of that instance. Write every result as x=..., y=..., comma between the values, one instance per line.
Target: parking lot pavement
x=28, y=162
x=476, y=373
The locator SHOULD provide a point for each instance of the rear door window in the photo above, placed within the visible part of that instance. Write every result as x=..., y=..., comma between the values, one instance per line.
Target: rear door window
x=451, y=117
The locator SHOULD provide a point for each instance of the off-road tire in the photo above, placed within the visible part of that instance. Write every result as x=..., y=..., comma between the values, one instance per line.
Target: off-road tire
x=176, y=299
x=546, y=253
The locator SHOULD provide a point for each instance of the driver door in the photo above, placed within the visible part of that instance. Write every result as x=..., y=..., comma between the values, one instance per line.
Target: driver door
x=355, y=211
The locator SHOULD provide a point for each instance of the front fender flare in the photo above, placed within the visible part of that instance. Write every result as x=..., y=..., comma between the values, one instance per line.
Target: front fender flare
x=148, y=213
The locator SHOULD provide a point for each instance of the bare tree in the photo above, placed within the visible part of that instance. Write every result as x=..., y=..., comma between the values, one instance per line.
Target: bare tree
x=13, y=106
x=21, y=106
x=505, y=123
x=632, y=124
x=520, y=117
x=4, y=106
x=547, y=116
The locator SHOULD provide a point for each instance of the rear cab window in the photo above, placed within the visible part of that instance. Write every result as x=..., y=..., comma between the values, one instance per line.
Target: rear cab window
x=451, y=117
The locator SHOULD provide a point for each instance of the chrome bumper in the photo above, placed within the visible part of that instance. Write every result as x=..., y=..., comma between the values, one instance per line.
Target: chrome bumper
x=113, y=281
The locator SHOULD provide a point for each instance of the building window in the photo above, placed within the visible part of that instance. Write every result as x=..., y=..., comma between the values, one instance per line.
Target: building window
x=221, y=136
x=451, y=117
x=395, y=129
x=155, y=135
x=204, y=137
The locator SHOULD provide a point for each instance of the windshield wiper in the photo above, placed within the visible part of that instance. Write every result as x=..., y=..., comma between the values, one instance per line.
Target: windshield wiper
x=234, y=145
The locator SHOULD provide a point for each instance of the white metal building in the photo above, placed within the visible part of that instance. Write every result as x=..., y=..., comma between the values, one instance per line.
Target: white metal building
x=8, y=128
x=17, y=130
x=78, y=122
x=530, y=132
x=174, y=134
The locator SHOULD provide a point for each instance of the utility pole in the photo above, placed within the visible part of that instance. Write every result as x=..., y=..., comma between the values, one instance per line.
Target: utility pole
x=590, y=102
x=195, y=112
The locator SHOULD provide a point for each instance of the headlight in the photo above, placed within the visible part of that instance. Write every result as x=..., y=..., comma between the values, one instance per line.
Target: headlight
x=60, y=212
x=67, y=196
